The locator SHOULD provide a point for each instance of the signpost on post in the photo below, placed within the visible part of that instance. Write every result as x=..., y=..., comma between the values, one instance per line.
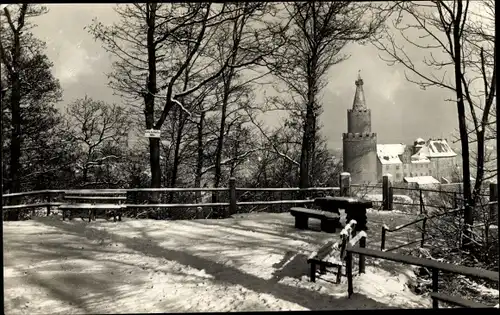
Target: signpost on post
x=152, y=133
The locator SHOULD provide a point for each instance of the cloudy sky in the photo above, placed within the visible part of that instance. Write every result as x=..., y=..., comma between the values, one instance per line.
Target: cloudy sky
x=401, y=111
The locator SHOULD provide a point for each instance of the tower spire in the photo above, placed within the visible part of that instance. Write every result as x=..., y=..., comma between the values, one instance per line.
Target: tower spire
x=359, y=97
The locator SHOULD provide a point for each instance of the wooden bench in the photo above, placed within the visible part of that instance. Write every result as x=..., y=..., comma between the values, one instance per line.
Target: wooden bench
x=329, y=221
x=68, y=210
x=92, y=201
x=331, y=254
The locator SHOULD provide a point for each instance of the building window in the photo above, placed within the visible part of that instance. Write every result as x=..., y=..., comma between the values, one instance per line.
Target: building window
x=430, y=172
x=398, y=175
x=387, y=167
x=397, y=167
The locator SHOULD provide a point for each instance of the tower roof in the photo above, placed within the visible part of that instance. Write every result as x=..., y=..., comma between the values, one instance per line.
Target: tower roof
x=359, y=97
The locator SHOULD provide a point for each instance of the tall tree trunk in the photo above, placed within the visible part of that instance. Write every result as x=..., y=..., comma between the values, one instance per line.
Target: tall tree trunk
x=304, y=155
x=177, y=148
x=312, y=159
x=308, y=136
x=479, y=164
x=220, y=140
x=199, y=163
x=15, y=145
x=462, y=124
x=236, y=149
x=15, y=101
x=149, y=100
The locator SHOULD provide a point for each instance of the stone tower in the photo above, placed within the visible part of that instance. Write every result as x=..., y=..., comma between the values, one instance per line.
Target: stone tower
x=360, y=143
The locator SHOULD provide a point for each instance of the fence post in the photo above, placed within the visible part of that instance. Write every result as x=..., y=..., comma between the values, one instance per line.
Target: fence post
x=387, y=192
x=435, y=276
x=345, y=184
x=423, y=232
x=232, y=196
x=362, y=244
x=350, y=289
x=421, y=198
x=493, y=207
x=382, y=243
x=132, y=200
x=48, y=201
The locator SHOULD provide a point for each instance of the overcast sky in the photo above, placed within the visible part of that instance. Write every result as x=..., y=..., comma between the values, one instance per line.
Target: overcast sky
x=401, y=111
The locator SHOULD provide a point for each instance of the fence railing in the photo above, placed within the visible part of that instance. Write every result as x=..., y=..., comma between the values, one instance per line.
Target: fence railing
x=423, y=219
x=132, y=201
x=232, y=203
x=435, y=266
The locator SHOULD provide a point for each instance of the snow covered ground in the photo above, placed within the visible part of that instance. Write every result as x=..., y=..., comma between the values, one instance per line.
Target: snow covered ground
x=253, y=262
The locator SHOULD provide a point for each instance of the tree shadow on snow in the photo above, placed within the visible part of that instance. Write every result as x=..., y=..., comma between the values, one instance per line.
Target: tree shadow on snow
x=226, y=274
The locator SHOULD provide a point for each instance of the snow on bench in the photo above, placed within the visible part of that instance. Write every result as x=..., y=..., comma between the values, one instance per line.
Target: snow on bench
x=332, y=254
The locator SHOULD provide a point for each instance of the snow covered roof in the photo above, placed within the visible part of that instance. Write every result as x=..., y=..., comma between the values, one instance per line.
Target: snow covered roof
x=421, y=180
x=440, y=148
x=421, y=156
x=389, y=153
x=432, y=149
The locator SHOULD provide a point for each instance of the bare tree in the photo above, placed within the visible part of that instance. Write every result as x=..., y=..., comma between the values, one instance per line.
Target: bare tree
x=100, y=129
x=147, y=42
x=453, y=36
x=315, y=34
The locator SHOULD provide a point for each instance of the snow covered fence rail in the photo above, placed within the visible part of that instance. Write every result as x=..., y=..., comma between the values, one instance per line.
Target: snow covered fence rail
x=46, y=197
x=434, y=265
x=422, y=219
x=332, y=254
x=439, y=198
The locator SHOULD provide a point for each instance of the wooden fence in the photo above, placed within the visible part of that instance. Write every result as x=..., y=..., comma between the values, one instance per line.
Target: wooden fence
x=47, y=197
x=231, y=204
x=435, y=266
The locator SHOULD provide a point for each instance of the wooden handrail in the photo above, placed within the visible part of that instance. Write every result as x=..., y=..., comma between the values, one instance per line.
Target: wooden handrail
x=272, y=202
x=436, y=266
x=35, y=192
x=32, y=205
x=424, y=262
x=424, y=219
x=289, y=189
x=177, y=205
x=399, y=227
x=435, y=190
x=94, y=198
x=168, y=189
x=453, y=300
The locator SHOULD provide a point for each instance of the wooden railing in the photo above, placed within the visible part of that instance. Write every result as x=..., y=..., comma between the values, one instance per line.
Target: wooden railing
x=435, y=266
x=454, y=199
x=422, y=219
x=232, y=203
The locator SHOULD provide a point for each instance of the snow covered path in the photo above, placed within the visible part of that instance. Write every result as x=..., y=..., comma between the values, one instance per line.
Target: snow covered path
x=253, y=262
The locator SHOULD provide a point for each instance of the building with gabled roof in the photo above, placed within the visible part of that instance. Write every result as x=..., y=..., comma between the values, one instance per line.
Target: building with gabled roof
x=433, y=158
